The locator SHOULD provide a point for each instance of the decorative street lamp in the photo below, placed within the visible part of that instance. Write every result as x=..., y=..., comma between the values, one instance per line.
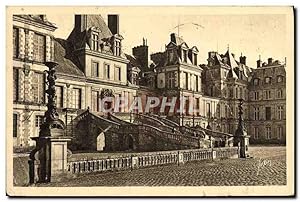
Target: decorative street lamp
x=48, y=161
x=241, y=137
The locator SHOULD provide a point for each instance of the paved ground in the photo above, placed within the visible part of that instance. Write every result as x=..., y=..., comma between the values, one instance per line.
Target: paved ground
x=267, y=167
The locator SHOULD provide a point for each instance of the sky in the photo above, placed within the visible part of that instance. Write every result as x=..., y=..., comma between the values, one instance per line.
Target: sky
x=248, y=34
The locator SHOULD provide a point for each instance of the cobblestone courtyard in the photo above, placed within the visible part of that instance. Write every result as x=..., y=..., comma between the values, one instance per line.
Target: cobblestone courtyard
x=267, y=167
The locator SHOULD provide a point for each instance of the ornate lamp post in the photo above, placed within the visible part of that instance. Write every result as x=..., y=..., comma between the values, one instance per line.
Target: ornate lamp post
x=49, y=159
x=241, y=137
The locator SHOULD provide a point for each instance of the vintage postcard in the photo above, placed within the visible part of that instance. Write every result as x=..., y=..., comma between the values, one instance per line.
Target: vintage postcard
x=150, y=101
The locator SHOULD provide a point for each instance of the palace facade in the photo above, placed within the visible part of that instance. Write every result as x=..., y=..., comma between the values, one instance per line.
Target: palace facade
x=92, y=64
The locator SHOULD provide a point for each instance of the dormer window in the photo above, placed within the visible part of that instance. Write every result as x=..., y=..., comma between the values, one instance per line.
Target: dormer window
x=279, y=79
x=184, y=55
x=117, y=48
x=195, y=59
x=95, y=41
x=255, y=82
x=268, y=80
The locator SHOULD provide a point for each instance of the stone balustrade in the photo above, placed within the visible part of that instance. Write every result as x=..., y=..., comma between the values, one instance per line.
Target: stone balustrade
x=141, y=160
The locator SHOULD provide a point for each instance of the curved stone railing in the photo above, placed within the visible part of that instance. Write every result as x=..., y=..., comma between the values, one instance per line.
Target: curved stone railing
x=117, y=119
x=166, y=121
x=105, y=122
x=175, y=138
x=216, y=133
x=141, y=160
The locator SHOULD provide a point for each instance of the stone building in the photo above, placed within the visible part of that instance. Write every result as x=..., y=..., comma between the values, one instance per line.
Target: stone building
x=92, y=64
x=33, y=45
x=267, y=102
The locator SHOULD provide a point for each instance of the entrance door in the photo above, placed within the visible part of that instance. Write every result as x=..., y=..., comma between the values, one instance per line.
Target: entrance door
x=129, y=142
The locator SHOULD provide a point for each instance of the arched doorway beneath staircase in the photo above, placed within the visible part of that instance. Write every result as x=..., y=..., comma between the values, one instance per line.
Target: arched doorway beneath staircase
x=129, y=143
x=101, y=142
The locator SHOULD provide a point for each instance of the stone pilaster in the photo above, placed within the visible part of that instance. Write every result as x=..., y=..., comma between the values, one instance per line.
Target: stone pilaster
x=87, y=96
x=52, y=48
x=48, y=48
x=83, y=99
x=22, y=44
x=21, y=88
x=176, y=78
x=123, y=102
x=65, y=96
x=27, y=128
x=30, y=44
x=28, y=91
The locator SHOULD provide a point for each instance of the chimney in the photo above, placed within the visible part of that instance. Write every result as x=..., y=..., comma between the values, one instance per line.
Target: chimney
x=113, y=24
x=141, y=53
x=80, y=22
x=243, y=60
x=211, y=59
x=173, y=37
x=270, y=61
x=211, y=54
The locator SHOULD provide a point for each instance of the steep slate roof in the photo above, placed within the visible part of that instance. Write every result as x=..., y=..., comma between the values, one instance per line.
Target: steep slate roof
x=98, y=21
x=231, y=61
x=65, y=65
x=235, y=68
x=79, y=39
x=132, y=61
x=176, y=39
x=174, y=45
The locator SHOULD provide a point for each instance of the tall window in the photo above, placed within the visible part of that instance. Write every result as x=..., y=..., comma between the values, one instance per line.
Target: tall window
x=95, y=69
x=279, y=132
x=95, y=41
x=39, y=119
x=15, y=125
x=280, y=112
x=268, y=135
x=95, y=101
x=230, y=93
x=256, y=135
x=186, y=83
x=117, y=48
x=241, y=92
x=256, y=113
x=280, y=93
x=197, y=83
x=107, y=71
x=135, y=79
x=15, y=42
x=38, y=88
x=268, y=113
x=198, y=106
x=256, y=95
x=117, y=73
x=76, y=98
x=268, y=94
x=195, y=59
x=16, y=84
x=208, y=112
x=170, y=79
x=236, y=92
x=184, y=54
x=39, y=48
x=59, y=96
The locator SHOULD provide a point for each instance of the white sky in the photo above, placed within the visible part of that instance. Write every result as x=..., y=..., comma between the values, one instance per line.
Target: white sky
x=253, y=34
